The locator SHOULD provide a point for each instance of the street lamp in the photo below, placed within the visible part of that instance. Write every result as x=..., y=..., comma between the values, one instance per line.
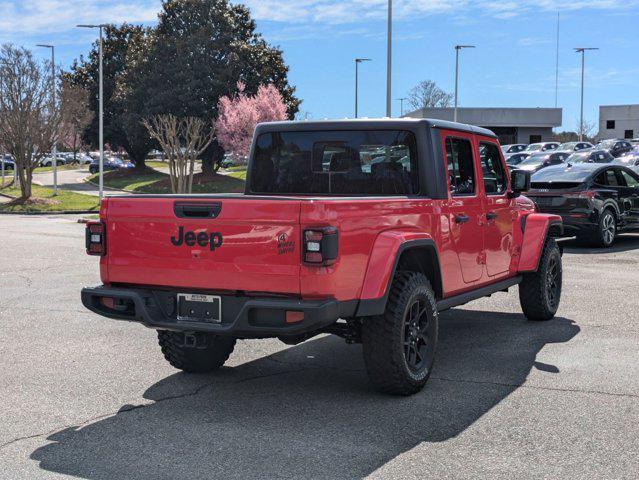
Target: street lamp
x=54, y=150
x=582, y=50
x=389, y=59
x=401, y=107
x=357, y=62
x=101, y=114
x=457, y=49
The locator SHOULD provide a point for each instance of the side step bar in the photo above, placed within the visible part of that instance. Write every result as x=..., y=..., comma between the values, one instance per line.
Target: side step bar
x=486, y=291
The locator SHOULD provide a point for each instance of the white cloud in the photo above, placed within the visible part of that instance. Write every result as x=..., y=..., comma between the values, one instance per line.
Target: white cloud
x=28, y=18
x=360, y=11
x=36, y=17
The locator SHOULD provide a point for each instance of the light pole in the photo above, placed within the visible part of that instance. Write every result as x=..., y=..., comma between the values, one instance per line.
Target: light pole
x=389, y=60
x=401, y=105
x=357, y=62
x=582, y=50
x=557, y=66
x=54, y=149
x=101, y=114
x=457, y=49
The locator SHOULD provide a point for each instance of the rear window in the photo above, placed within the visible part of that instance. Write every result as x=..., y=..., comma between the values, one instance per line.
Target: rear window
x=366, y=162
x=561, y=174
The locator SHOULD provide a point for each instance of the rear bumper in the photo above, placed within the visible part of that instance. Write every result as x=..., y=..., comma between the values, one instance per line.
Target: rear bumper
x=242, y=317
x=575, y=223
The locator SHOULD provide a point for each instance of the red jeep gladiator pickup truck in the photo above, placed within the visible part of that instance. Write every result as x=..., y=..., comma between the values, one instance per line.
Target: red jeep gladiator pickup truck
x=365, y=229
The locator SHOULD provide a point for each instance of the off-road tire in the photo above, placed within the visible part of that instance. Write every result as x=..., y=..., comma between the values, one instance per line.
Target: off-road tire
x=540, y=291
x=384, y=337
x=210, y=354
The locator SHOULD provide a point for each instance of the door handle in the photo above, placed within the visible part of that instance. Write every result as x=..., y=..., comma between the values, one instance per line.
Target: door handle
x=491, y=216
x=461, y=218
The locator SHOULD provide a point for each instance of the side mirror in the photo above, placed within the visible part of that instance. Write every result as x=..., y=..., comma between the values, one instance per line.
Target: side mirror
x=519, y=182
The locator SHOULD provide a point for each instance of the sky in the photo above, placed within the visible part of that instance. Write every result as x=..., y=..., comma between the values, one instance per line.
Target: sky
x=512, y=66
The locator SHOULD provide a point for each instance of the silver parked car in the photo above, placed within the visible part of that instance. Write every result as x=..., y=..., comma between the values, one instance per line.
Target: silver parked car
x=513, y=148
x=542, y=147
x=575, y=146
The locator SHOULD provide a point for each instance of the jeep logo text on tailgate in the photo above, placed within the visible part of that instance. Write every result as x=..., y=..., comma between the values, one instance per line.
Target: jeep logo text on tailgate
x=213, y=240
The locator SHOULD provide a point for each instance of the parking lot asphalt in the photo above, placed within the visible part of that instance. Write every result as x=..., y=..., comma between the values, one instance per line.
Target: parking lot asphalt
x=86, y=397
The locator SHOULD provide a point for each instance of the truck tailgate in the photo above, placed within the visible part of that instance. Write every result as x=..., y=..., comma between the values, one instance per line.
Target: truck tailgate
x=209, y=243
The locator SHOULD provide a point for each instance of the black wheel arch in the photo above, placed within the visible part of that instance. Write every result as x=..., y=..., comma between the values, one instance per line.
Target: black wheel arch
x=415, y=256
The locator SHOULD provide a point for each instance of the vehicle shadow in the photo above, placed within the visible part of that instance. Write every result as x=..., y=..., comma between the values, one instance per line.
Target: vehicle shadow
x=308, y=411
x=624, y=242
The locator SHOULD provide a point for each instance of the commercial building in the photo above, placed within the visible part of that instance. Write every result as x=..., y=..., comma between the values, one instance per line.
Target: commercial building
x=511, y=125
x=618, y=121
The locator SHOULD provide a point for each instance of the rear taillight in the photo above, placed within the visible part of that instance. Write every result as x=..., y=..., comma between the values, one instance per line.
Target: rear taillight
x=95, y=238
x=589, y=194
x=320, y=246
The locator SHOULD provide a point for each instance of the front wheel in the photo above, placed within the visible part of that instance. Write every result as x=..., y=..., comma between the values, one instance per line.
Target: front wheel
x=197, y=352
x=399, y=346
x=540, y=291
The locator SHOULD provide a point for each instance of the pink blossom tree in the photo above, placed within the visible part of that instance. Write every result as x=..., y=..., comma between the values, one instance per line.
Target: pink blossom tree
x=239, y=115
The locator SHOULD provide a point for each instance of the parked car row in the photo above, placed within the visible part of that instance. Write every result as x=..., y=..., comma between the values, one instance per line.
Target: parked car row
x=595, y=188
x=518, y=152
x=66, y=158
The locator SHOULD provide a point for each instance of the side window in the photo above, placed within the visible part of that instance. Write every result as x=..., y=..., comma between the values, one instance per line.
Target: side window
x=492, y=169
x=630, y=180
x=461, y=170
x=601, y=179
x=611, y=178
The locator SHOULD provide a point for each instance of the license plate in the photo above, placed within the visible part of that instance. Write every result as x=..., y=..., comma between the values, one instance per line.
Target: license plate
x=199, y=308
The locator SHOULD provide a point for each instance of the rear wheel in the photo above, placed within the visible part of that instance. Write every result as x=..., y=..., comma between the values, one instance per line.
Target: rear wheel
x=399, y=346
x=606, y=231
x=540, y=291
x=196, y=352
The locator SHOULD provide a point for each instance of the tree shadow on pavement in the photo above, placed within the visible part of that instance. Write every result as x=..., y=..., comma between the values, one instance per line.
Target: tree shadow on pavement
x=308, y=411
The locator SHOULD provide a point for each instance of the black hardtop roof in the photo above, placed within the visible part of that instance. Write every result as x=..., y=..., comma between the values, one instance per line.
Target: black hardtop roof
x=370, y=124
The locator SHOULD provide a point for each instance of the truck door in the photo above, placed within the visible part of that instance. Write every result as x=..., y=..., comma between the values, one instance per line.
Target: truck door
x=499, y=214
x=464, y=205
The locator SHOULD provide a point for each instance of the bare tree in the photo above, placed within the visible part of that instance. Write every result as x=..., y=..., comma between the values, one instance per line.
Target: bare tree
x=28, y=120
x=588, y=130
x=183, y=141
x=76, y=115
x=428, y=95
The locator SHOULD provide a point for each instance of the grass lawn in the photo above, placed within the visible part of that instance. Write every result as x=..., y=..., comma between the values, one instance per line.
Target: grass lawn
x=156, y=164
x=160, y=164
x=42, y=200
x=151, y=181
x=237, y=168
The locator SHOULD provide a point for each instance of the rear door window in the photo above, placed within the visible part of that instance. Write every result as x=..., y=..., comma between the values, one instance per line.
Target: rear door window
x=607, y=178
x=461, y=167
x=365, y=162
x=495, y=182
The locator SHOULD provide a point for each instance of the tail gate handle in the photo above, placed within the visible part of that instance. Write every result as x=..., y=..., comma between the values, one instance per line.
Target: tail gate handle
x=197, y=210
